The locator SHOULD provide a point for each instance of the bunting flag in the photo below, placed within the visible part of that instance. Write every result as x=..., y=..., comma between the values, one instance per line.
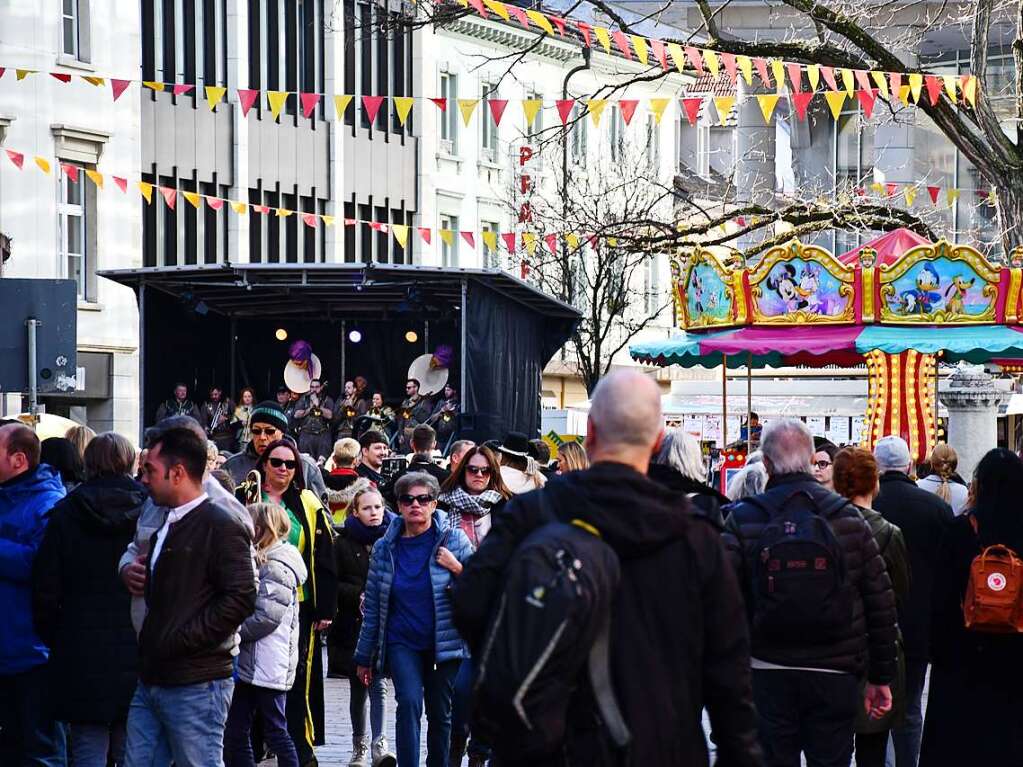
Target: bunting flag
x=801, y=101
x=693, y=54
x=761, y=65
x=847, y=81
x=573, y=240
x=170, y=196
x=96, y=81
x=952, y=195
x=276, y=101
x=95, y=177
x=678, y=56
x=147, y=191
x=328, y=221
x=529, y=241
x=447, y=236
x=117, y=87
x=310, y=101
x=17, y=158
x=585, y=30
x=400, y=232
x=970, y=90
x=767, y=103
x=246, y=98
x=214, y=95
x=341, y=104
x=552, y=243
x=470, y=238
x=882, y=83
x=192, y=198
x=795, y=76
x=466, y=107
x=497, y=107
x=215, y=202
x=728, y=60
x=499, y=8
x=660, y=53
x=122, y=183
x=909, y=194
x=836, y=100
x=596, y=109
x=153, y=86
x=692, y=109
x=371, y=107
x=710, y=60
x=21, y=74
x=657, y=106
x=541, y=21
x=239, y=207
x=778, y=71
x=181, y=89
x=310, y=220
x=622, y=42
x=565, y=107
x=43, y=164
x=604, y=38
x=829, y=77
x=867, y=100
x=916, y=84
x=639, y=44
x=628, y=108
x=746, y=67
x=530, y=108
x=490, y=240
x=425, y=233
x=934, y=84
x=724, y=105
x=71, y=171
x=509, y=241
x=402, y=107
x=813, y=74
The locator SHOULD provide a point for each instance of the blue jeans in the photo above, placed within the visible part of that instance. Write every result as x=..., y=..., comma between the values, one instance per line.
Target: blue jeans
x=418, y=680
x=377, y=694
x=28, y=735
x=92, y=744
x=907, y=737
x=248, y=699
x=460, y=712
x=183, y=723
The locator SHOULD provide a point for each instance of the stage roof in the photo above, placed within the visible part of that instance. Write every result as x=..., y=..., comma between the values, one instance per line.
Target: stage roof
x=326, y=291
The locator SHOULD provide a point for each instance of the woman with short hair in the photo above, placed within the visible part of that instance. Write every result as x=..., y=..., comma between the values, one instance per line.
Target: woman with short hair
x=679, y=466
x=572, y=457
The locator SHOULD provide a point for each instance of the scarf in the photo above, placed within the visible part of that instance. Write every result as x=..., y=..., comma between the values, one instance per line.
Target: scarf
x=365, y=535
x=470, y=512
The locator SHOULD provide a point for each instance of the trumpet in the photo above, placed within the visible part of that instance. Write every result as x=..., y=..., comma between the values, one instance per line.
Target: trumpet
x=252, y=487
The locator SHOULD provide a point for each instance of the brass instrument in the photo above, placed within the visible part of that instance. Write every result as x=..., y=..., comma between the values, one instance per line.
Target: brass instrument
x=252, y=487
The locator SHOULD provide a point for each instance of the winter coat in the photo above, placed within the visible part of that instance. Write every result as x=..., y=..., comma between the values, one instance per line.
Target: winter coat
x=342, y=486
x=923, y=518
x=519, y=482
x=268, y=655
x=25, y=504
x=81, y=608
x=869, y=645
x=371, y=649
x=678, y=635
x=704, y=498
x=239, y=466
x=352, y=570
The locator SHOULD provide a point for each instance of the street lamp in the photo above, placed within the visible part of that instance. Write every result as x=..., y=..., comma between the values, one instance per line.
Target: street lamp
x=564, y=175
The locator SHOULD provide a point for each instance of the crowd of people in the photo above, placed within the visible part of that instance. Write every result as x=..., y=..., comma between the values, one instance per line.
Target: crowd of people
x=168, y=606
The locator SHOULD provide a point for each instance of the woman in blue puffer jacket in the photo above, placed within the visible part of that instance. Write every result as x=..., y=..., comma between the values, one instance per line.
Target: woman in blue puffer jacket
x=407, y=630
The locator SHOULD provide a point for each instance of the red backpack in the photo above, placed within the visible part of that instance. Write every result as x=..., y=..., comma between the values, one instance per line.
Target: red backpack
x=994, y=592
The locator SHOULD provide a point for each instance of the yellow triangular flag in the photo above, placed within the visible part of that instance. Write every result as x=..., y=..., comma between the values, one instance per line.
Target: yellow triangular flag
x=612, y=242
x=970, y=90
x=499, y=8
x=877, y=188
x=490, y=240
x=283, y=212
x=916, y=84
x=276, y=100
x=657, y=106
x=678, y=55
x=147, y=190
x=603, y=38
x=327, y=220
x=767, y=104
x=152, y=85
x=778, y=70
x=464, y=3
x=904, y=94
x=641, y=51
x=836, y=100
x=881, y=78
x=724, y=106
x=529, y=108
x=448, y=236
x=402, y=106
x=341, y=104
x=43, y=163
x=950, y=87
x=239, y=207
x=529, y=240
x=848, y=81
x=93, y=80
x=95, y=177
x=813, y=74
x=952, y=195
x=572, y=240
x=596, y=109
x=909, y=192
x=541, y=21
x=467, y=107
x=23, y=73
x=710, y=58
x=214, y=95
x=746, y=67
x=192, y=197
x=400, y=234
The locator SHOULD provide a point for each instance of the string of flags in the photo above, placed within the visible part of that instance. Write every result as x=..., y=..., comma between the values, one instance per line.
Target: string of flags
x=527, y=240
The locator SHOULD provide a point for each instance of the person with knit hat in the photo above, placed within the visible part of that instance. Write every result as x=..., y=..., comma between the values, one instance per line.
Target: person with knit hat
x=268, y=423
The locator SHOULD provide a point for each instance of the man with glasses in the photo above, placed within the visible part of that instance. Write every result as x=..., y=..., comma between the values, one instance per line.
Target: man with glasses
x=314, y=412
x=268, y=423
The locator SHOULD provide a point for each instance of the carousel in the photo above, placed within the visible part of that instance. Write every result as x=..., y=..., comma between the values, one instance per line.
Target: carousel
x=896, y=305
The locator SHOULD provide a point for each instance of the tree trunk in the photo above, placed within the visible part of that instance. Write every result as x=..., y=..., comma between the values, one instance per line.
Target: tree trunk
x=1010, y=211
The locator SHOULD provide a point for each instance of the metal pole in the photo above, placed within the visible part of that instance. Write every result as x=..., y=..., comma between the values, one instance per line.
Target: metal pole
x=565, y=255
x=749, y=403
x=33, y=384
x=724, y=401
x=344, y=341
x=234, y=372
x=142, y=362
x=937, y=381
x=465, y=348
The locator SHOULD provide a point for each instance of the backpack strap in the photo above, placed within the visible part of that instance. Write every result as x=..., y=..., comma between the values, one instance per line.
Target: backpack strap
x=603, y=693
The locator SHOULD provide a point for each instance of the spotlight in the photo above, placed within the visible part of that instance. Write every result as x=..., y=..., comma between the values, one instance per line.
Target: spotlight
x=355, y=336
x=412, y=336
x=281, y=334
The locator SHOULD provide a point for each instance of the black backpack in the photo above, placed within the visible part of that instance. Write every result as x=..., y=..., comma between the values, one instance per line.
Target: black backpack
x=552, y=621
x=798, y=580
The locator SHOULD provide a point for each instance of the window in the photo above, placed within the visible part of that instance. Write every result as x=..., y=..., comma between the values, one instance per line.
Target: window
x=71, y=211
x=491, y=257
x=579, y=133
x=714, y=150
x=449, y=253
x=853, y=163
x=653, y=139
x=616, y=133
x=488, y=136
x=449, y=116
x=70, y=27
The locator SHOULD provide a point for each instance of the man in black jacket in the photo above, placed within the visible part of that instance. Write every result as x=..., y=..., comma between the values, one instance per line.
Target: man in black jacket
x=199, y=587
x=923, y=518
x=424, y=441
x=678, y=638
x=806, y=681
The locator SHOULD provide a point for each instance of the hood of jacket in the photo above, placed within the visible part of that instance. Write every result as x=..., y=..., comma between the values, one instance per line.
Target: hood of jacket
x=108, y=503
x=345, y=495
x=287, y=555
x=633, y=514
x=45, y=479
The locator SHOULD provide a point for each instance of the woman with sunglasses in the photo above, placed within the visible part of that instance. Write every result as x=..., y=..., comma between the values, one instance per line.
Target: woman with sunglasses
x=407, y=628
x=281, y=483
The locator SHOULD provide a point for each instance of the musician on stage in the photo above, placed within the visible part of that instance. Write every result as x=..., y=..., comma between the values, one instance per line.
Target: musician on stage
x=216, y=413
x=444, y=414
x=348, y=409
x=313, y=412
x=415, y=409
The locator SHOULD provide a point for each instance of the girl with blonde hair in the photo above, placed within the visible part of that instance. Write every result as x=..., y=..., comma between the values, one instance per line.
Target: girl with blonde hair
x=943, y=481
x=572, y=457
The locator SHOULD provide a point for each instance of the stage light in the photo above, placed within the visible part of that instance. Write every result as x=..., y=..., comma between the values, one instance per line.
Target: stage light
x=355, y=336
x=281, y=334
x=412, y=336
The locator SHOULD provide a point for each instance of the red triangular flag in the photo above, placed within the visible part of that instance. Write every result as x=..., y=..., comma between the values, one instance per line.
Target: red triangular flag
x=246, y=99
x=859, y=191
x=16, y=157
x=552, y=242
x=692, y=107
x=350, y=222
x=117, y=87
x=933, y=192
x=592, y=239
x=371, y=105
x=170, y=196
x=122, y=183
x=867, y=100
x=891, y=189
x=660, y=52
x=862, y=79
x=895, y=84
x=565, y=107
x=309, y=219
x=441, y=103
x=4, y=69
x=761, y=65
x=478, y=7
x=470, y=238
x=497, y=109
x=215, y=202
x=628, y=107
x=70, y=170
x=560, y=24
x=309, y=102
x=519, y=14
x=829, y=77
x=264, y=209
x=933, y=88
x=740, y=221
x=695, y=58
x=378, y=227
x=585, y=30
x=622, y=41
x=801, y=101
x=524, y=265
x=61, y=76
x=795, y=75
x=509, y=241
x=424, y=232
x=181, y=88
x=728, y=59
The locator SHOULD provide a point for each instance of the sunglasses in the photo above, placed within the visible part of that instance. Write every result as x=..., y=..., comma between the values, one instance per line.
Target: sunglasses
x=822, y=465
x=408, y=500
x=268, y=431
x=287, y=463
x=479, y=471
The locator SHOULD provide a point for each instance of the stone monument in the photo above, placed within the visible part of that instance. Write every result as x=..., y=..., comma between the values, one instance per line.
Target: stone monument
x=972, y=399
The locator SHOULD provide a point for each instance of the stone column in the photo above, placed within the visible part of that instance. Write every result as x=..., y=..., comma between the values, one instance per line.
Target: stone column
x=972, y=400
